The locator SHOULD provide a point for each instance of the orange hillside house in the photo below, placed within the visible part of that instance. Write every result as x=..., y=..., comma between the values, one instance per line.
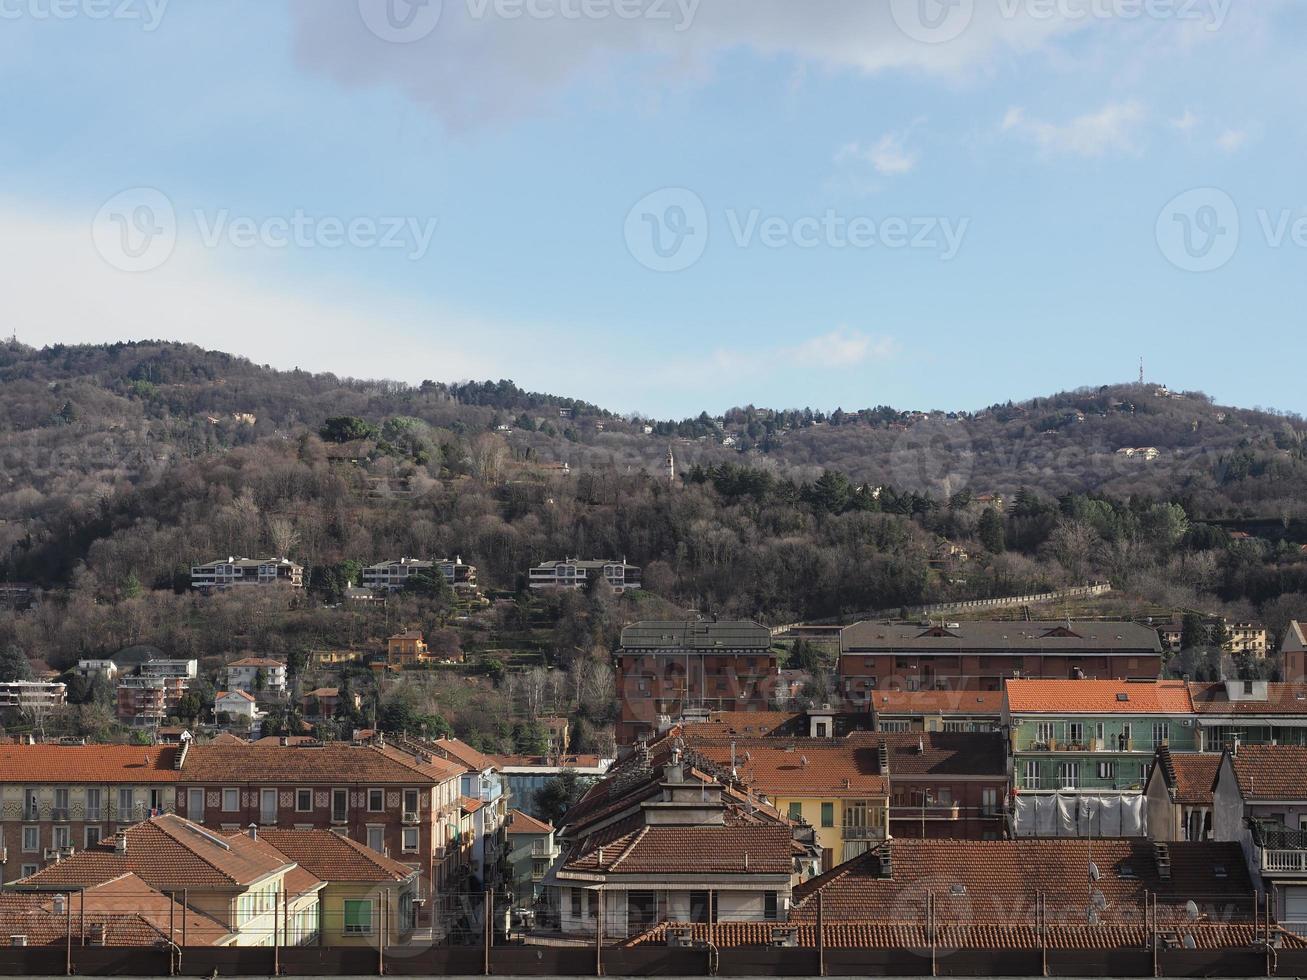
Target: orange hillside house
x=407, y=649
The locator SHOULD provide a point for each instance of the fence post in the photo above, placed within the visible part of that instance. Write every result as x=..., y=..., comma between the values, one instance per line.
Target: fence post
x=599, y=935
x=1156, y=971
x=1041, y=903
x=487, y=938
x=381, y=945
x=276, y=941
x=181, y=950
x=930, y=915
x=68, y=928
x=821, y=937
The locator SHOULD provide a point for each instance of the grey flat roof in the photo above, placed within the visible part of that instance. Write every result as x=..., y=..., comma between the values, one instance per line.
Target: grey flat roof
x=703, y=637
x=988, y=637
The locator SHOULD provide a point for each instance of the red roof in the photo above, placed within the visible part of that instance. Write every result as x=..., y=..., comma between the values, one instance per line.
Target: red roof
x=333, y=762
x=806, y=767
x=749, y=849
x=1211, y=698
x=101, y=764
x=333, y=857
x=524, y=823
x=459, y=751
x=723, y=724
x=1190, y=774
x=937, y=702
x=1099, y=697
x=1271, y=772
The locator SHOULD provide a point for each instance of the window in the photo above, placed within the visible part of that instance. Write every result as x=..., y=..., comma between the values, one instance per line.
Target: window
x=61, y=803
x=1075, y=732
x=195, y=805
x=231, y=800
x=944, y=796
x=1107, y=770
x=410, y=839
x=699, y=906
x=1030, y=774
x=358, y=917
x=126, y=803
x=93, y=804
x=28, y=870
x=1100, y=731
x=593, y=904
x=988, y=802
x=339, y=805
x=156, y=801
x=1044, y=732
x=303, y=800
x=894, y=726
x=411, y=801
x=828, y=814
x=93, y=835
x=377, y=838
x=576, y=903
x=796, y=811
x=1126, y=736
x=62, y=838
x=1068, y=774
x=1161, y=732
x=769, y=906
x=267, y=806
x=376, y=800
x=31, y=839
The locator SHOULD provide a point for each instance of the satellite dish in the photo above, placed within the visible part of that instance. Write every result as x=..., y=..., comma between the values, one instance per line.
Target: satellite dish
x=1099, y=900
x=1188, y=941
x=1191, y=910
x=1094, y=873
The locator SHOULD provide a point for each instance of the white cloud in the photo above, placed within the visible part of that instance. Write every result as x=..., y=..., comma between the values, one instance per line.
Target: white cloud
x=475, y=65
x=841, y=349
x=1113, y=128
x=1184, y=123
x=1232, y=140
x=888, y=156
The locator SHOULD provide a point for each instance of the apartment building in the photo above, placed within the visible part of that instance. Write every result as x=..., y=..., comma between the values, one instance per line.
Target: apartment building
x=532, y=850
x=257, y=675
x=667, y=668
x=407, y=649
x=151, y=695
x=527, y=775
x=948, y=785
x=60, y=798
x=234, y=572
x=1240, y=638
x=980, y=656
x=1250, y=712
x=665, y=842
x=1082, y=751
x=247, y=886
x=574, y=574
x=1178, y=795
x=33, y=694
x=485, y=799
x=397, y=802
x=937, y=711
x=392, y=576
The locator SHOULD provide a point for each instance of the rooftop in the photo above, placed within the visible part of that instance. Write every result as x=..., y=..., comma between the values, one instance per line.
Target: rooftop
x=1212, y=698
x=654, y=636
x=937, y=702
x=723, y=724
x=1271, y=772
x=102, y=764
x=998, y=637
x=1098, y=697
x=333, y=857
x=808, y=767
x=524, y=823
x=747, y=849
x=311, y=763
x=1190, y=774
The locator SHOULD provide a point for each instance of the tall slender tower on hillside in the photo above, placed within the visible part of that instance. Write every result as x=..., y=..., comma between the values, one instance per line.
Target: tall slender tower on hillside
x=670, y=467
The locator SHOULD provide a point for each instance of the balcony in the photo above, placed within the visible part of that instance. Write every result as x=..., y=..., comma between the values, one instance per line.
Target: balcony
x=849, y=832
x=1280, y=861
x=541, y=848
x=932, y=811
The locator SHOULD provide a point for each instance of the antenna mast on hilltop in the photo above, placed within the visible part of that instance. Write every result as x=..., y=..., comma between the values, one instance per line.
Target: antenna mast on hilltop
x=1141, y=370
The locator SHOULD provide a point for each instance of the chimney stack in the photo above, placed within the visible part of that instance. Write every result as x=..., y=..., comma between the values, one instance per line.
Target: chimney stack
x=254, y=831
x=120, y=842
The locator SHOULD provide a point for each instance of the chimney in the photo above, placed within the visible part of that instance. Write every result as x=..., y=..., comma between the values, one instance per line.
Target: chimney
x=19, y=940
x=120, y=842
x=253, y=831
x=285, y=741
x=95, y=934
x=921, y=746
x=60, y=903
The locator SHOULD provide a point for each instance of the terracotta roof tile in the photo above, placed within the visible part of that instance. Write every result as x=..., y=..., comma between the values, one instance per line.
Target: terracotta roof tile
x=332, y=857
x=240, y=764
x=755, y=849
x=1098, y=697
x=1282, y=699
x=723, y=724
x=87, y=763
x=1271, y=772
x=937, y=702
x=1001, y=881
x=524, y=823
x=1190, y=774
x=941, y=753
x=806, y=767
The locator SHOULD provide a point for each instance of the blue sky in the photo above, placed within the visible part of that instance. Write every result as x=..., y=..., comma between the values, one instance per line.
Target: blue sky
x=669, y=206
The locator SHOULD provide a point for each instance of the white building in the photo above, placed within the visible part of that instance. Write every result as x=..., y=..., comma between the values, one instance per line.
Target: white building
x=32, y=694
x=225, y=574
x=187, y=669
x=238, y=705
x=574, y=574
x=391, y=576
x=244, y=675
x=94, y=668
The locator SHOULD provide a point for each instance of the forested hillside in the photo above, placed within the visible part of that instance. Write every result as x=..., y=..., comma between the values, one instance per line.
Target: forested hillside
x=122, y=465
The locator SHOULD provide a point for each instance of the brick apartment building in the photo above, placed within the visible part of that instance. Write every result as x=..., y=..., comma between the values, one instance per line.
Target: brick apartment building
x=666, y=667
x=979, y=656
x=399, y=803
x=55, y=798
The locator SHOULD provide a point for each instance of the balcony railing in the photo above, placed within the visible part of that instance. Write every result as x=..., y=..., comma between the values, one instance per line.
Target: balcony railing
x=932, y=811
x=1111, y=744
x=1116, y=784
x=1284, y=862
x=540, y=848
x=862, y=833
